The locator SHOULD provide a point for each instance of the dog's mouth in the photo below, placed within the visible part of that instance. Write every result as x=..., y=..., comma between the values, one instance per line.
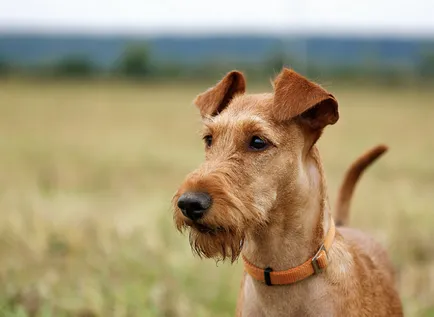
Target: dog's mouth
x=206, y=229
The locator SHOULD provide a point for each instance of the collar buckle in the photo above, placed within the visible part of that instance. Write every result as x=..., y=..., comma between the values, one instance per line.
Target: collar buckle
x=267, y=276
x=319, y=267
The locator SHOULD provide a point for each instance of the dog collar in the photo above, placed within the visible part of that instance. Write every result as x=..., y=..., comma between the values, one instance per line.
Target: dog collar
x=312, y=266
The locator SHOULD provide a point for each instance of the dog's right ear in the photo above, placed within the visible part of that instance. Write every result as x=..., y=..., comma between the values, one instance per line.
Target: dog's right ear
x=215, y=99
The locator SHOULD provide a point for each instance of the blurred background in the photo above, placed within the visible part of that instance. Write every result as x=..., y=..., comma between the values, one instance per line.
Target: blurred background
x=97, y=130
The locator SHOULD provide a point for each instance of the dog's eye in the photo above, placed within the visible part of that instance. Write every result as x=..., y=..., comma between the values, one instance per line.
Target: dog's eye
x=257, y=144
x=208, y=140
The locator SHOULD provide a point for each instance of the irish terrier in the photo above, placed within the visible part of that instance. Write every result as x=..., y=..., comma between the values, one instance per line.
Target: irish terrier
x=261, y=193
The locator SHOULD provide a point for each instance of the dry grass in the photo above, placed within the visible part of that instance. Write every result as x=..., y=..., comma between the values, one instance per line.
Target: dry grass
x=88, y=170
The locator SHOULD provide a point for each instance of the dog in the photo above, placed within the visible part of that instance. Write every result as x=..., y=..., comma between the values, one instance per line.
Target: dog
x=261, y=193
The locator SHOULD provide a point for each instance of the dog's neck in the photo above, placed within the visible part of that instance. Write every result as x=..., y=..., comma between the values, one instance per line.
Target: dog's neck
x=297, y=228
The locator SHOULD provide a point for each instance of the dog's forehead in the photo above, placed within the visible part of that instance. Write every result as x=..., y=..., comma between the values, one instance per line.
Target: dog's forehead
x=254, y=108
x=255, y=103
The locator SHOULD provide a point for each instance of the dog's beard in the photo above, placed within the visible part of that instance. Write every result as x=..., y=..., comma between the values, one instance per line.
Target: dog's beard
x=219, y=244
x=212, y=241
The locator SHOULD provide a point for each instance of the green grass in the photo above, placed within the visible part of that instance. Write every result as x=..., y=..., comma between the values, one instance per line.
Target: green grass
x=88, y=170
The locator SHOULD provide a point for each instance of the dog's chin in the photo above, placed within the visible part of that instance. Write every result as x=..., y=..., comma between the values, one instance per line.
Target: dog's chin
x=206, y=229
x=216, y=242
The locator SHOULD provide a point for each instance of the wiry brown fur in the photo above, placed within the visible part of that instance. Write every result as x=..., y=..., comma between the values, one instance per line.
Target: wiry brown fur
x=272, y=205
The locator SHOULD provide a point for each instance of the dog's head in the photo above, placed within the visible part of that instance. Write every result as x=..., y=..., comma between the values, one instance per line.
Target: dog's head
x=257, y=150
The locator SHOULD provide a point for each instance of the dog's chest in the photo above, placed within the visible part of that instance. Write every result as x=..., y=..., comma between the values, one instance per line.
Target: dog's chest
x=304, y=299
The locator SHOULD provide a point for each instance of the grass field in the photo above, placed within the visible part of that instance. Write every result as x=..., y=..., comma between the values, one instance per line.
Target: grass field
x=87, y=171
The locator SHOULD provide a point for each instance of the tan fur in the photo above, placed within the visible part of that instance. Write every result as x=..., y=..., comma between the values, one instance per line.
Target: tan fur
x=350, y=180
x=272, y=204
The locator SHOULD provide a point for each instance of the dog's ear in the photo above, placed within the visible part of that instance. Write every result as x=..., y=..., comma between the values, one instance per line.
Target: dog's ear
x=297, y=97
x=215, y=99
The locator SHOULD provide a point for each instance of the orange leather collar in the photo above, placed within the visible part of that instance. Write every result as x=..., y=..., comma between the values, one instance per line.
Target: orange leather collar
x=314, y=265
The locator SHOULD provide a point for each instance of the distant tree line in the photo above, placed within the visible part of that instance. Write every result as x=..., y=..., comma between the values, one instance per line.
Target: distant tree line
x=136, y=62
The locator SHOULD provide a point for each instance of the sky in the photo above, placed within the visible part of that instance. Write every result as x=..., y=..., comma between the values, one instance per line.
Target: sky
x=393, y=17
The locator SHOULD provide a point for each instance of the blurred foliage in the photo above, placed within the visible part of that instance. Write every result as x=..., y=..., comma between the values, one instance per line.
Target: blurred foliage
x=427, y=66
x=277, y=58
x=135, y=61
x=74, y=66
x=4, y=67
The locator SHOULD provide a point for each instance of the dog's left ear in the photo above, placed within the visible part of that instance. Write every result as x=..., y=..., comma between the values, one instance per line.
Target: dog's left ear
x=215, y=100
x=297, y=97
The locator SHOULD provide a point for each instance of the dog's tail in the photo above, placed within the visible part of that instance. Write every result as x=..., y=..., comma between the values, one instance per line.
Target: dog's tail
x=351, y=177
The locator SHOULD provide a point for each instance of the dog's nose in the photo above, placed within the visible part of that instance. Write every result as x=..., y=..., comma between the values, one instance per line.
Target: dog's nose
x=194, y=204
